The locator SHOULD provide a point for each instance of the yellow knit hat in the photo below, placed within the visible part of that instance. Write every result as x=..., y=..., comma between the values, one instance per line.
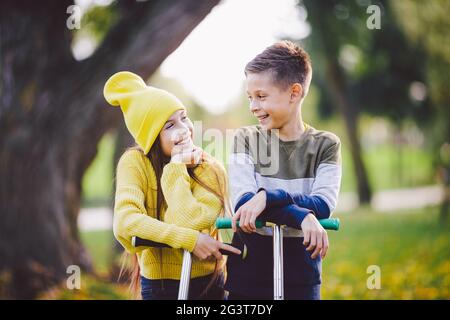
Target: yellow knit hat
x=145, y=109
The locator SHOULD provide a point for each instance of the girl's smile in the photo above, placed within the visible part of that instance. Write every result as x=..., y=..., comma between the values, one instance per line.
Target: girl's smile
x=177, y=133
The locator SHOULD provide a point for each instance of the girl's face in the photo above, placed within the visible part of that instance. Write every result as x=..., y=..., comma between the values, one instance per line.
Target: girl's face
x=177, y=133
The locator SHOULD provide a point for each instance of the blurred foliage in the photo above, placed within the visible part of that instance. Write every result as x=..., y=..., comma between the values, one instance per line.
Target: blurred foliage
x=97, y=21
x=92, y=288
x=411, y=249
x=428, y=26
x=377, y=68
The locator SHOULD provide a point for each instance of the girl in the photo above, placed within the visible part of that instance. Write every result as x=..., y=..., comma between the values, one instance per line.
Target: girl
x=167, y=190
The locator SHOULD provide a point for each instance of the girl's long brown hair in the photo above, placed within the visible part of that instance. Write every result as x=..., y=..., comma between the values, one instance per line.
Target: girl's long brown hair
x=158, y=160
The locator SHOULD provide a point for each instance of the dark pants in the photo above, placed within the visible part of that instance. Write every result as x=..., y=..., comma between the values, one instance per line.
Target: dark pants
x=297, y=293
x=167, y=289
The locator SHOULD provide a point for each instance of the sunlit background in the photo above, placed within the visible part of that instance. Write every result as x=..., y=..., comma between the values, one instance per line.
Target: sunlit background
x=392, y=99
x=207, y=69
x=210, y=62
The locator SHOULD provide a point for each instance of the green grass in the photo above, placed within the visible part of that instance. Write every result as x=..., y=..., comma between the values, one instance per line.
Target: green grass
x=100, y=246
x=412, y=251
x=98, y=179
x=386, y=171
x=94, y=287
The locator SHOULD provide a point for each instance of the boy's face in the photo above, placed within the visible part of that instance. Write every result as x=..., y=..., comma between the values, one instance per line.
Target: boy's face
x=273, y=106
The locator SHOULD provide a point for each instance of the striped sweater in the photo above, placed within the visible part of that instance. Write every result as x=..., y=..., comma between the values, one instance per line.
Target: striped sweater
x=300, y=177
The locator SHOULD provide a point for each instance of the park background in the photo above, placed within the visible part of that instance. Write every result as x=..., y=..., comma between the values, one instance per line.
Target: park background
x=380, y=85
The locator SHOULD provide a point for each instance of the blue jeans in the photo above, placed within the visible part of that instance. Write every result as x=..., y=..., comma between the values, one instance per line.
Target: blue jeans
x=167, y=289
x=311, y=292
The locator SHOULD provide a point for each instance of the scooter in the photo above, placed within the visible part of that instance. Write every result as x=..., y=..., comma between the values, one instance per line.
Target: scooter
x=278, y=232
x=266, y=228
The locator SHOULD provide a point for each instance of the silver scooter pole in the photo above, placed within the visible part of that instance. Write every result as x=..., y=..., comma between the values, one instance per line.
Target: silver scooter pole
x=185, y=278
x=278, y=272
x=183, y=291
x=278, y=233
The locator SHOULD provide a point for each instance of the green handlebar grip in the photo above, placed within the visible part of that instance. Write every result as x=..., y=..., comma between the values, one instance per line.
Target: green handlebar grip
x=225, y=223
x=330, y=224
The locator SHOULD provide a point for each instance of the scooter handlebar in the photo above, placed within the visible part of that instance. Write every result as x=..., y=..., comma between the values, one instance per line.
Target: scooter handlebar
x=329, y=224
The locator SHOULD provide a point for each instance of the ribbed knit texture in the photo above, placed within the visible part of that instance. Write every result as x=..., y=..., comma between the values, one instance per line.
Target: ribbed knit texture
x=190, y=209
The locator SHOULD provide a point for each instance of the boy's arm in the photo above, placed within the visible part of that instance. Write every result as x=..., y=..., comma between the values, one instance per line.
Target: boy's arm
x=241, y=170
x=323, y=198
x=290, y=215
x=277, y=198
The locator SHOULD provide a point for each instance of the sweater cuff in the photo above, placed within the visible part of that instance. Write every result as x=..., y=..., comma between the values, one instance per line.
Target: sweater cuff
x=243, y=199
x=290, y=215
x=191, y=240
x=277, y=198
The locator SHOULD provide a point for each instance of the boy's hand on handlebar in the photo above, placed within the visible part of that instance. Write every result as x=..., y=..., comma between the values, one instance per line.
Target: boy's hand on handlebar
x=207, y=246
x=249, y=212
x=315, y=236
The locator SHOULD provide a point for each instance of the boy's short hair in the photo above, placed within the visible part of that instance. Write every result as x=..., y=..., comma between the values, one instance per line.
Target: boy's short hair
x=288, y=62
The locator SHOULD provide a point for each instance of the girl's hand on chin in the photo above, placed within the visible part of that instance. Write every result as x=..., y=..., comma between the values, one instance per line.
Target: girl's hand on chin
x=190, y=155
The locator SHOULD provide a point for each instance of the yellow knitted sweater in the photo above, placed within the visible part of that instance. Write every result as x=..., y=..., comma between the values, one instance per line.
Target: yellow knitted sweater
x=190, y=209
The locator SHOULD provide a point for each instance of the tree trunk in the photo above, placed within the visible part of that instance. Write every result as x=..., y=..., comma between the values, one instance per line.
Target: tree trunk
x=52, y=115
x=444, y=161
x=324, y=35
x=338, y=89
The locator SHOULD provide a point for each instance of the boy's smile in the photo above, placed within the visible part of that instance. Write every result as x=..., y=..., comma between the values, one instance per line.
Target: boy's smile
x=264, y=118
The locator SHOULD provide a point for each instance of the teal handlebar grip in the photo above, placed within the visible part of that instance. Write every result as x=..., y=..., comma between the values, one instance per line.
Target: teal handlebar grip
x=329, y=224
x=225, y=223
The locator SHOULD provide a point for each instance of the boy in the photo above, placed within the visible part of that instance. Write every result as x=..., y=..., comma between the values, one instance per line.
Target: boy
x=297, y=188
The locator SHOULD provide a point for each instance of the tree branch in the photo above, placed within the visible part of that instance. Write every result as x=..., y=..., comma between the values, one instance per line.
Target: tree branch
x=139, y=42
